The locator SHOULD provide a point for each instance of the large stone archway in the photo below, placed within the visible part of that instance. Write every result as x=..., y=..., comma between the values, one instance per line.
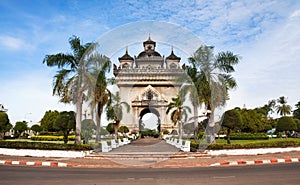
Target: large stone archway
x=147, y=110
x=148, y=83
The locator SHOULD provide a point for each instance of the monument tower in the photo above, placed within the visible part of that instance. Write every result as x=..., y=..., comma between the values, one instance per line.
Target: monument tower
x=148, y=84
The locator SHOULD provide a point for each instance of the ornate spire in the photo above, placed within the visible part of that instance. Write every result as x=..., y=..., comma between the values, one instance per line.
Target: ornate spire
x=149, y=41
x=126, y=56
x=172, y=56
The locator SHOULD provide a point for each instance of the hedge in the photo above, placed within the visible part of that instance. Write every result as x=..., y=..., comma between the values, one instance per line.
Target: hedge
x=248, y=136
x=273, y=144
x=42, y=146
x=51, y=138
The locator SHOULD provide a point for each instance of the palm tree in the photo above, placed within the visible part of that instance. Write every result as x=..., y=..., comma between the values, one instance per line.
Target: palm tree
x=213, y=77
x=215, y=72
x=178, y=111
x=283, y=109
x=191, y=82
x=196, y=84
x=296, y=112
x=115, y=111
x=74, y=76
x=101, y=94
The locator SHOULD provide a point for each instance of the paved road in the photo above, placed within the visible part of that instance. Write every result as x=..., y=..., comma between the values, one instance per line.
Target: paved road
x=260, y=174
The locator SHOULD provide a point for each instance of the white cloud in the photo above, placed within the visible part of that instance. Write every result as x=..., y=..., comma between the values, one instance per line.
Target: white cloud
x=12, y=42
x=270, y=66
x=295, y=14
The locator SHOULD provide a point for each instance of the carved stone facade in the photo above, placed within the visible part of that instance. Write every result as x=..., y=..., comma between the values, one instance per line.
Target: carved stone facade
x=148, y=83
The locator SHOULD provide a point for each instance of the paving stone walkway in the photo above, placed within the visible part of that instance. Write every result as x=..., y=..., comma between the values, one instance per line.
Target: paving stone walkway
x=145, y=146
x=142, y=152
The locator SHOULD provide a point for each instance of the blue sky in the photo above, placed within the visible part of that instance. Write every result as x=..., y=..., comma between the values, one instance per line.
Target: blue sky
x=266, y=34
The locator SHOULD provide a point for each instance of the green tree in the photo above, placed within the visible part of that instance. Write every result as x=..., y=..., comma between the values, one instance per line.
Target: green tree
x=110, y=128
x=296, y=112
x=283, y=109
x=103, y=131
x=36, y=128
x=297, y=121
x=178, y=112
x=5, y=125
x=267, y=108
x=48, y=120
x=252, y=121
x=75, y=77
x=20, y=128
x=231, y=120
x=115, y=111
x=65, y=122
x=88, y=127
x=285, y=124
x=123, y=129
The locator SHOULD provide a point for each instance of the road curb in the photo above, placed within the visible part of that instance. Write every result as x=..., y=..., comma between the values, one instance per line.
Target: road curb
x=36, y=163
x=253, y=162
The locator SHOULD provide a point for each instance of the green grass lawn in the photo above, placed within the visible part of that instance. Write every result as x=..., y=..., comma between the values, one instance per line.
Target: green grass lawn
x=223, y=141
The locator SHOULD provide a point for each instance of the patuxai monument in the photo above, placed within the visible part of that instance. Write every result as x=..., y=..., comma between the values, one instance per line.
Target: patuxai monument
x=147, y=82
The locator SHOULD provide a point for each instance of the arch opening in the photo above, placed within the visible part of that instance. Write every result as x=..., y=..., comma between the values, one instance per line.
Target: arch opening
x=149, y=119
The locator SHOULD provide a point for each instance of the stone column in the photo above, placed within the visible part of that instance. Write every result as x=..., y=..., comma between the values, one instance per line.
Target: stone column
x=162, y=118
x=136, y=118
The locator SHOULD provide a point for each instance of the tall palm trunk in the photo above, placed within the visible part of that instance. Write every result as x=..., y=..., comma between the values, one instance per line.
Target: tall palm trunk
x=210, y=128
x=116, y=127
x=78, y=119
x=180, y=129
x=98, y=120
x=195, y=107
x=180, y=124
x=228, y=135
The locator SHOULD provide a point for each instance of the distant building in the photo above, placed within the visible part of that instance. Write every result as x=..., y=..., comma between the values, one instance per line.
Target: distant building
x=2, y=109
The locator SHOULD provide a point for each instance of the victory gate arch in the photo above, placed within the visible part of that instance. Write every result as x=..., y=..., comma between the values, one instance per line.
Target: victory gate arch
x=147, y=82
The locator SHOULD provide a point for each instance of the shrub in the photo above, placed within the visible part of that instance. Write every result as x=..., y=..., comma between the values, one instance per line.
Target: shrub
x=44, y=146
x=43, y=133
x=156, y=135
x=200, y=135
x=123, y=129
x=194, y=144
x=36, y=128
x=281, y=144
x=148, y=132
x=248, y=136
x=166, y=132
x=51, y=138
x=272, y=144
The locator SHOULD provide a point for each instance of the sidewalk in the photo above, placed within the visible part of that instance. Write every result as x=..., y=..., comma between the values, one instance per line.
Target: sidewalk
x=154, y=154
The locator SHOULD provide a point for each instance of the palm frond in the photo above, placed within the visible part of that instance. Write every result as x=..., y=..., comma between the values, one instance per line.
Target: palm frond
x=59, y=81
x=77, y=48
x=225, y=61
x=60, y=60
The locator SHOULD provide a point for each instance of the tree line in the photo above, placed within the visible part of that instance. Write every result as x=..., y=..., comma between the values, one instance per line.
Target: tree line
x=259, y=120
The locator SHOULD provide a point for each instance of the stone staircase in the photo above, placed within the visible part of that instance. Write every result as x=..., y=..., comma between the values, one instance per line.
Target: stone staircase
x=139, y=153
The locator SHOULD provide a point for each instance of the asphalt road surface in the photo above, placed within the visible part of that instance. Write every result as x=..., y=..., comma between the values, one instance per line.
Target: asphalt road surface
x=257, y=174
